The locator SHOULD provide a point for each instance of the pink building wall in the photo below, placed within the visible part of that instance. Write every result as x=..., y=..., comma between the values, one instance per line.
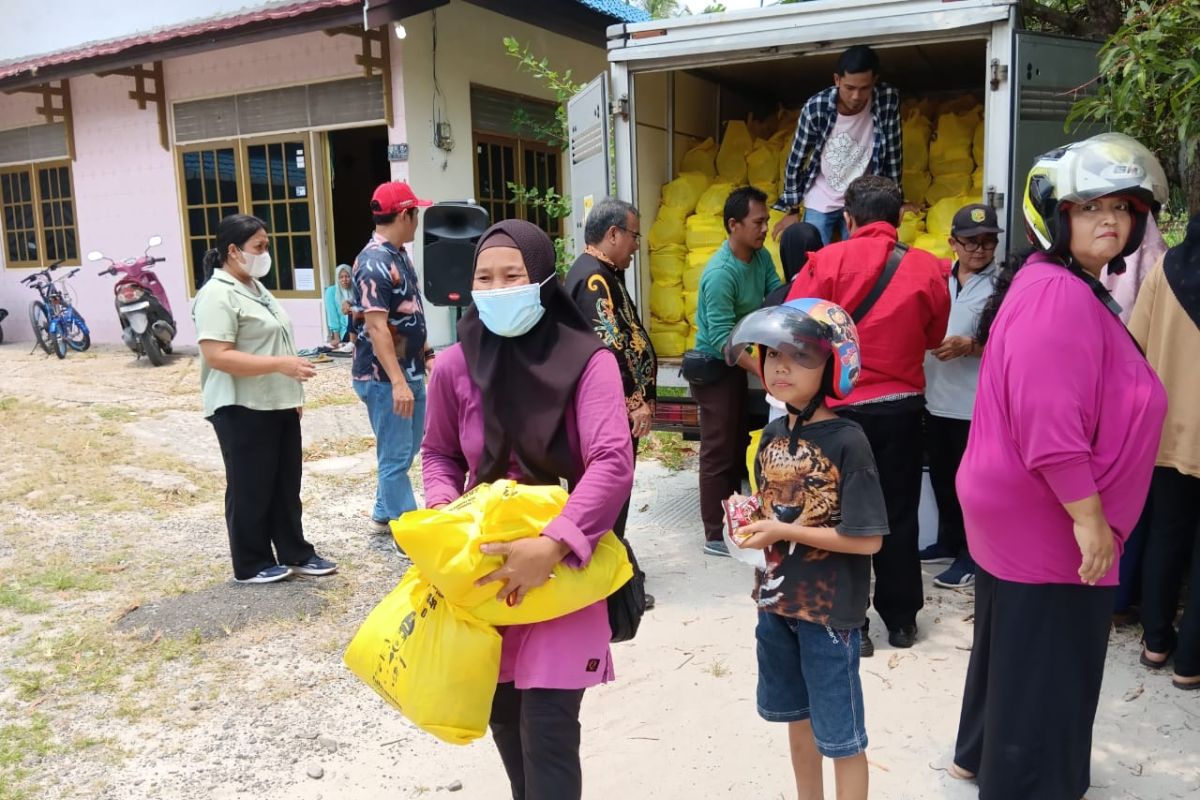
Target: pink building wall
x=125, y=183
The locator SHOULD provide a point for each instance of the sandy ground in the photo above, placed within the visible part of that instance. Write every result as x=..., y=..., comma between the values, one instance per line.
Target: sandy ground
x=254, y=702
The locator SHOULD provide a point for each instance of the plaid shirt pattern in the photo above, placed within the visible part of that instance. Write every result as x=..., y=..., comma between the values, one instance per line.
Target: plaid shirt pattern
x=816, y=125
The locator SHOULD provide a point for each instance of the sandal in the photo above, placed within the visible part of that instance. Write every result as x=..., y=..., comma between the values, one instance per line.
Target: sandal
x=1146, y=661
x=1187, y=684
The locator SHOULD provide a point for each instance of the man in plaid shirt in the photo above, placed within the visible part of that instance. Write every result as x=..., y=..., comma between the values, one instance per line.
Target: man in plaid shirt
x=850, y=129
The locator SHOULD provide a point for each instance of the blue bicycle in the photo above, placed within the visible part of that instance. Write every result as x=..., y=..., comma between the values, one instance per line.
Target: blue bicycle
x=57, y=326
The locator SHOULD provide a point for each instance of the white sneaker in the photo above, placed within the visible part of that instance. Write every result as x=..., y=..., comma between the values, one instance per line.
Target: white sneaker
x=380, y=528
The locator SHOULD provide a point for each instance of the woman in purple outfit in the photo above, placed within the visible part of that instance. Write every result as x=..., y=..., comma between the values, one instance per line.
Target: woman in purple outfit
x=1067, y=423
x=530, y=393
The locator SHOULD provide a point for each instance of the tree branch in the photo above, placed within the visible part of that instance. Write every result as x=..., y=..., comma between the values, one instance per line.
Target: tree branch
x=1050, y=16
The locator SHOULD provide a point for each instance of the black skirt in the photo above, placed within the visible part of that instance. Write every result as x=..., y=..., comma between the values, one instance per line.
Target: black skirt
x=1033, y=684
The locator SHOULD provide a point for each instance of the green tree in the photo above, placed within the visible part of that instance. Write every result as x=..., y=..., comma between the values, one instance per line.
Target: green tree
x=662, y=9
x=1088, y=19
x=1149, y=87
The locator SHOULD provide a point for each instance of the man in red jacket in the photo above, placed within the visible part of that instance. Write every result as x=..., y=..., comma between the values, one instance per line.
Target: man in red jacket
x=908, y=318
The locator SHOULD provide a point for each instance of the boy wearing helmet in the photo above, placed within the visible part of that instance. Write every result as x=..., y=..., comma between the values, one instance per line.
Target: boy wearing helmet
x=822, y=515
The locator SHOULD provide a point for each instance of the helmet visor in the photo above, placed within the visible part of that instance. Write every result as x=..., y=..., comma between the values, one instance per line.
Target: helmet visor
x=781, y=328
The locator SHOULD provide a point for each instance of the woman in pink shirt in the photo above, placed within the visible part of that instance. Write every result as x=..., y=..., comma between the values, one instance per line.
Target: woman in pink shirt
x=1066, y=427
x=530, y=393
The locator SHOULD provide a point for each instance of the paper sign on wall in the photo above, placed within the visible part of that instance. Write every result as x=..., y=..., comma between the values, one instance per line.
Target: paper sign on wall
x=305, y=280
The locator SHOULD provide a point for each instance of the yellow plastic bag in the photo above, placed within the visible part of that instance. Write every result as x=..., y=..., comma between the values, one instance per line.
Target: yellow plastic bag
x=704, y=232
x=915, y=131
x=712, y=202
x=682, y=194
x=911, y=226
x=977, y=145
x=977, y=182
x=698, y=181
x=932, y=243
x=762, y=164
x=667, y=264
x=434, y=662
x=770, y=189
x=691, y=339
x=702, y=159
x=666, y=302
x=689, y=307
x=751, y=454
x=692, y=275
x=444, y=544
x=941, y=214
x=950, y=151
x=667, y=228
x=731, y=158
x=669, y=339
x=914, y=185
x=950, y=185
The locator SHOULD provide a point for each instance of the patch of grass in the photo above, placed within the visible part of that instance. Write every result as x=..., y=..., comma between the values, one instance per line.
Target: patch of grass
x=16, y=598
x=718, y=669
x=61, y=577
x=671, y=391
x=7, y=403
x=119, y=413
x=30, y=684
x=19, y=743
x=668, y=448
x=332, y=448
x=345, y=399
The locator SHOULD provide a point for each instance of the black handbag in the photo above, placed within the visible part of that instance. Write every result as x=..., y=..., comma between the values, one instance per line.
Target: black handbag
x=701, y=369
x=627, y=604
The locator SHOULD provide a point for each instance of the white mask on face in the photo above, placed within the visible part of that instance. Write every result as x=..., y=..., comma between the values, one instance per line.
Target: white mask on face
x=256, y=265
x=513, y=311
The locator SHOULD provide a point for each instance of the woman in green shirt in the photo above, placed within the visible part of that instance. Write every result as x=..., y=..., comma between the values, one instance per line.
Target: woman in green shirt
x=251, y=380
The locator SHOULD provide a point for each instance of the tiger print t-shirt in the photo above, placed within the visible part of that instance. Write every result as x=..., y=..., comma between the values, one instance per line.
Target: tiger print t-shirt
x=829, y=482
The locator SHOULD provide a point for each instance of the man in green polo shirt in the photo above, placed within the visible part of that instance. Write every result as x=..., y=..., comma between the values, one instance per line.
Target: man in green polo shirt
x=734, y=283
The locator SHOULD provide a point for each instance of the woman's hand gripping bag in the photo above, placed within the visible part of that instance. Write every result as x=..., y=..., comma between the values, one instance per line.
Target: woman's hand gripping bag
x=436, y=663
x=444, y=544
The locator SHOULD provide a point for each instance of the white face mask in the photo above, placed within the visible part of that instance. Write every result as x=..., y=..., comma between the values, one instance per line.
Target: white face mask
x=512, y=311
x=256, y=265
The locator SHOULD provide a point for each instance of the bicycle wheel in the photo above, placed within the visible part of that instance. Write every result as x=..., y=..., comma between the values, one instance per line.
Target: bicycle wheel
x=76, y=334
x=41, y=325
x=60, y=343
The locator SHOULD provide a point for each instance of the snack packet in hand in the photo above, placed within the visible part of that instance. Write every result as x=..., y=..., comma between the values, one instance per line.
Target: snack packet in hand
x=741, y=510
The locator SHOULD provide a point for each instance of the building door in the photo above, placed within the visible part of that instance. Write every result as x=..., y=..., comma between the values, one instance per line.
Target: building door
x=357, y=164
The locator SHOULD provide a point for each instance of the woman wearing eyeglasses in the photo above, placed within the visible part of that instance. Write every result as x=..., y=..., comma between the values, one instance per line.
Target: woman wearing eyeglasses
x=951, y=377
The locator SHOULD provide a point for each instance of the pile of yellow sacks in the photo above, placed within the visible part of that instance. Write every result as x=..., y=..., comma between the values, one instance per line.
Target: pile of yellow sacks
x=431, y=648
x=943, y=166
x=688, y=228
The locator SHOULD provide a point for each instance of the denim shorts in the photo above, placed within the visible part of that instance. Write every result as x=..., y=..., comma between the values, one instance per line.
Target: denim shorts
x=810, y=671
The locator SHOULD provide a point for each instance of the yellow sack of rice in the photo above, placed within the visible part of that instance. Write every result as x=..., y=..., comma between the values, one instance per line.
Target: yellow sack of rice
x=690, y=341
x=683, y=192
x=932, y=243
x=912, y=226
x=914, y=185
x=702, y=159
x=977, y=144
x=668, y=228
x=762, y=164
x=950, y=150
x=669, y=339
x=712, y=202
x=731, y=158
x=941, y=214
x=950, y=185
x=915, y=131
x=666, y=302
x=704, y=232
x=689, y=307
x=667, y=264
x=697, y=260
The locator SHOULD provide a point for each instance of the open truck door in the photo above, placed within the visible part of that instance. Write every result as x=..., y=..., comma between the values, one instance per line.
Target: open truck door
x=1051, y=73
x=589, y=145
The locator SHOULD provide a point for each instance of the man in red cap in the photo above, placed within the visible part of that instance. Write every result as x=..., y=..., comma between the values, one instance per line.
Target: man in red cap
x=391, y=354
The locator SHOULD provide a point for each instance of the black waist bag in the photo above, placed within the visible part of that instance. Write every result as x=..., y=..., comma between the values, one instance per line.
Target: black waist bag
x=627, y=604
x=701, y=369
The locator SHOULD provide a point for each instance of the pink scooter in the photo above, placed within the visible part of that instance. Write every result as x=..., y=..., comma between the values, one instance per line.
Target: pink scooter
x=147, y=324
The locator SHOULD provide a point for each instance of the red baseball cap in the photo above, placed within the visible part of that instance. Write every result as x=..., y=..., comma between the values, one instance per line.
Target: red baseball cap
x=395, y=196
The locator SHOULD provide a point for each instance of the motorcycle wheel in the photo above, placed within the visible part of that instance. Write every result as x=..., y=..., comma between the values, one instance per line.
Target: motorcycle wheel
x=41, y=325
x=78, y=339
x=1, y=335
x=60, y=344
x=153, y=349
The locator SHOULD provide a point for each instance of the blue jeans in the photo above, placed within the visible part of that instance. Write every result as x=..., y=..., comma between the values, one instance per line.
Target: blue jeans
x=828, y=223
x=810, y=671
x=397, y=442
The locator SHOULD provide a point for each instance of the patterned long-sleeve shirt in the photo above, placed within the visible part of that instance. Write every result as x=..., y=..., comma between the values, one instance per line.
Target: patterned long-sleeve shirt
x=600, y=295
x=816, y=123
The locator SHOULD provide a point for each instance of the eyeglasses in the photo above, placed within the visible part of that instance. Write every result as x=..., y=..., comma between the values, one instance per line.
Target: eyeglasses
x=637, y=237
x=972, y=246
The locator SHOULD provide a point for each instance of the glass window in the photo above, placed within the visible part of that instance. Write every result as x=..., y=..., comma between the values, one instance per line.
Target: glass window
x=209, y=179
x=37, y=206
